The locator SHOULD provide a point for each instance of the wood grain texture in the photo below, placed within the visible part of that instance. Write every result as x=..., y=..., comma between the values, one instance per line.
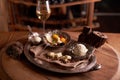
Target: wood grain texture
x=107, y=56
x=57, y=5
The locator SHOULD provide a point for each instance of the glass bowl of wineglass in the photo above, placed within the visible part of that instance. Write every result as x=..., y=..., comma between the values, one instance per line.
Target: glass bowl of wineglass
x=43, y=11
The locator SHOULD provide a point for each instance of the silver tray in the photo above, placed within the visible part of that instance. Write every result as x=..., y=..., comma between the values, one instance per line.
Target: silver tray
x=56, y=68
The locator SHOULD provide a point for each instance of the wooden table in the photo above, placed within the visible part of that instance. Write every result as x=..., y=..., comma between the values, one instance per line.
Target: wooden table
x=23, y=70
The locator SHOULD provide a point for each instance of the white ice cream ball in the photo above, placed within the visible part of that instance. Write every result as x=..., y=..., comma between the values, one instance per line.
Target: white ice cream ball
x=80, y=50
x=37, y=39
x=34, y=38
x=35, y=34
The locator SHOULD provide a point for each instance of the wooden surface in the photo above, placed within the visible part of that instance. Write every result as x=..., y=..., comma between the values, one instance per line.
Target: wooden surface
x=26, y=70
x=106, y=55
x=3, y=16
x=28, y=3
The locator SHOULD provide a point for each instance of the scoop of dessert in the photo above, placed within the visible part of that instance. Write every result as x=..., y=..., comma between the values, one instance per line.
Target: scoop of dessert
x=80, y=50
x=34, y=38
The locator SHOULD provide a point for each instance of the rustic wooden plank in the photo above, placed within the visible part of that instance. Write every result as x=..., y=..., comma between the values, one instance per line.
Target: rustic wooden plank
x=53, y=21
x=55, y=5
x=3, y=16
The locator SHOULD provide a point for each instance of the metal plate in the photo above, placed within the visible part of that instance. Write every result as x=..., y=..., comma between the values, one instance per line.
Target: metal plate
x=56, y=68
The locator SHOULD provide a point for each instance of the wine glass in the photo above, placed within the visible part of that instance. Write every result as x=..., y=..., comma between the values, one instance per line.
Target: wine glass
x=43, y=11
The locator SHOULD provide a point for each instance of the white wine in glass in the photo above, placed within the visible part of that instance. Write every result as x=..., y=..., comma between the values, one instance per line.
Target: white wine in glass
x=43, y=11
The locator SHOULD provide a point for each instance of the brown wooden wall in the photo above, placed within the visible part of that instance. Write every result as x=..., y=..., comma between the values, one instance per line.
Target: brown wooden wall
x=3, y=16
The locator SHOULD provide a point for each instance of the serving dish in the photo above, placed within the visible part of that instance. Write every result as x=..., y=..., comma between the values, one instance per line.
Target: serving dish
x=56, y=38
x=56, y=66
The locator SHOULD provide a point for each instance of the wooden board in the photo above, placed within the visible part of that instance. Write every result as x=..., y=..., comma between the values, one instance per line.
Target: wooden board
x=23, y=70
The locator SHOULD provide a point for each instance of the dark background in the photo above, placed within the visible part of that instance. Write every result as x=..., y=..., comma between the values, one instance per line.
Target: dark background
x=110, y=15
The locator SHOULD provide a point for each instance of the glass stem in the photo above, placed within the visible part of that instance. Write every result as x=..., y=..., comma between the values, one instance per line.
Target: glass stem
x=44, y=26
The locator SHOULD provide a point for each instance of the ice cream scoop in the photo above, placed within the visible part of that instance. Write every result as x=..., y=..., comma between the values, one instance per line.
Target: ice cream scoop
x=80, y=50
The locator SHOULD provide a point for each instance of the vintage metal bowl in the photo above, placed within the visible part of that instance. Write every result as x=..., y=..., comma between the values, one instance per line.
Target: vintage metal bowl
x=56, y=44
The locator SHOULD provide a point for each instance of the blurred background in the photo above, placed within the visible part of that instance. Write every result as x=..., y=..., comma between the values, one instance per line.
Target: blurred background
x=108, y=13
x=16, y=14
